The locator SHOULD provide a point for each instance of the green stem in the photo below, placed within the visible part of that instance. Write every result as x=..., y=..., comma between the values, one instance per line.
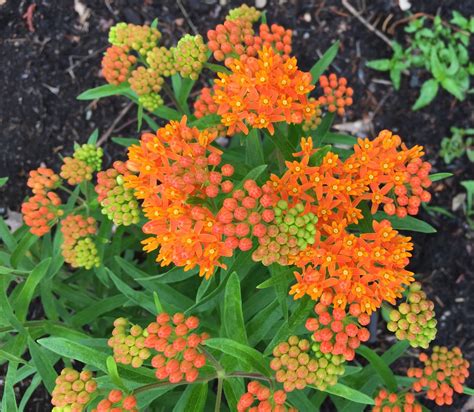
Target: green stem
x=219, y=394
x=164, y=384
x=171, y=95
x=31, y=324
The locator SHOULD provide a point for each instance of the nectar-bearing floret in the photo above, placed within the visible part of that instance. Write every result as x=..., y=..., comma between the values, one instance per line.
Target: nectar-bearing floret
x=414, y=319
x=329, y=368
x=73, y=390
x=138, y=38
x=41, y=212
x=145, y=81
x=244, y=12
x=190, y=56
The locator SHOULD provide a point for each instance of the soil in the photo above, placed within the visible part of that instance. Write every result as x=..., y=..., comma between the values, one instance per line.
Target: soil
x=44, y=70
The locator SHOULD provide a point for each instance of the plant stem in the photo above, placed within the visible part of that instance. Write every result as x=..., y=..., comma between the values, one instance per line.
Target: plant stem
x=171, y=95
x=220, y=381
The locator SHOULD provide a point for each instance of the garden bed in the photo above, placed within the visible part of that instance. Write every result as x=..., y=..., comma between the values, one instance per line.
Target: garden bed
x=43, y=71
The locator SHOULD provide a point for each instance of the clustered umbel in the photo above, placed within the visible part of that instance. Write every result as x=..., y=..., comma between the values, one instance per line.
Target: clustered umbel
x=40, y=212
x=128, y=343
x=117, y=402
x=334, y=331
x=444, y=373
x=336, y=93
x=118, y=202
x=315, y=120
x=190, y=56
x=244, y=215
x=42, y=180
x=90, y=154
x=293, y=364
x=78, y=248
x=73, y=390
x=395, y=402
x=411, y=191
x=260, y=398
x=75, y=171
x=414, y=320
x=138, y=38
x=330, y=367
x=117, y=64
x=179, y=356
x=290, y=232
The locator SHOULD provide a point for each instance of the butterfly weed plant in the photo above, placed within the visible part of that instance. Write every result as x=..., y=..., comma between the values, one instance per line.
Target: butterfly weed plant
x=231, y=274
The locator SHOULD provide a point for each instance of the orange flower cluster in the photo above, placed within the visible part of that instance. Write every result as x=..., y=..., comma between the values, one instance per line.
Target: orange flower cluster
x=42, y=180
x=177, y=173
x=116, y=402
x=75, y=171
x=262, y=91
x=145, y=81
x=234, y=37
x=128, y=343
x=314, y=121
x=40, y=212
x=242, y=216
x=73, y=390
x=117, y=64
x=409, y=196
x=335, y=335
x=336, y=93
x=293, y=364
x=265, y=399
x=444, y=373
x=204, y=106
x=179, y=357
x=78, y=249
x=367, y=268
x=392, y=402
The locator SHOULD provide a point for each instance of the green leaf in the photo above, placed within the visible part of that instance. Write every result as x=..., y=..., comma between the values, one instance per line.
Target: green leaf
x=23, y=300
x=6, y=309
x=5, y=355
x=33, y=384
x=206, y=121
x=158, y=305
x=468, y=391
x=182, y=96
x=452, y=87
x=167, y=113
x=140, y=298
x=43, y=365
x=150, y=122
x=253, y=149
x=22, y=248
x=139, y=116
x=233, y=318
x=193, y=398
x=428, y=92
x=125, y=141
x=233, y=389
x=93, y=137
x=6, y=236
x=380, y=366
x=281, y=276
x=8, y=397
x=217, y=68
x=3, y=181
x=113, y=373
x=340, y=138
x=439, y=176
x=323, y=63
x=104, y=91
x=438, y=70
x=323, y=128
x=75, y=350
x=282, y=143
x=396, y=77
x=251, y=357
x=346, y=392
x=380, y=64
x=92, y=312
x=406, y=223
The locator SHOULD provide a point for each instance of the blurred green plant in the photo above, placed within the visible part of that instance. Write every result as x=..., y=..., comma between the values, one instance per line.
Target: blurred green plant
x=437, y=47
x=460, y=142
x=469, y=206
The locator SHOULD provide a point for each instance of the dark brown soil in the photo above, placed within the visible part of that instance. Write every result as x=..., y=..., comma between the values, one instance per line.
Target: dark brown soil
x=43, y=72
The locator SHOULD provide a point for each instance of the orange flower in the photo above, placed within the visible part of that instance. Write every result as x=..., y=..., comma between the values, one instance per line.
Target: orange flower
x=255, y=93
x=42, y=180
x=40, y=212
x=174, y=166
